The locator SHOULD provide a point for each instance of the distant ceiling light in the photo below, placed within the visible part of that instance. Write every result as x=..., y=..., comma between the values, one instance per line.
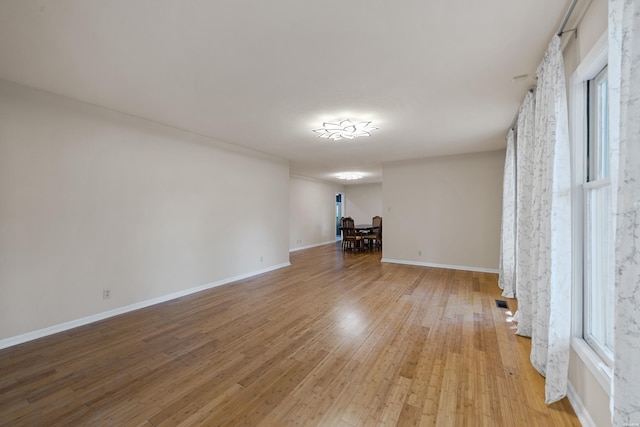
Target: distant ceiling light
x=347, y=129
x=349, y=176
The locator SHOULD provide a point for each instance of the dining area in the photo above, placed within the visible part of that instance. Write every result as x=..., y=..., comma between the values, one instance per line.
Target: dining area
x=361, y=237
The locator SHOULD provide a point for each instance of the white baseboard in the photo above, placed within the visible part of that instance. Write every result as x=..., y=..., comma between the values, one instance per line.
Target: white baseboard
x=313, y=246
x=61, y=327
x=578, y=407
x=451, y=267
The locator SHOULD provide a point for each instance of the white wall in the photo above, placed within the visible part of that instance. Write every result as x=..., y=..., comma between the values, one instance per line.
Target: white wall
x=446, y=208
x=94, y=199
x=363, y=202
x=312, y=212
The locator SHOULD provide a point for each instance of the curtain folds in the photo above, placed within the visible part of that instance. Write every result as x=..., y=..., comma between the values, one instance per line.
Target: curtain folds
x=543, y=226
x=624, y=30
x=551, y=240
x=525, y=166
x=507, y=268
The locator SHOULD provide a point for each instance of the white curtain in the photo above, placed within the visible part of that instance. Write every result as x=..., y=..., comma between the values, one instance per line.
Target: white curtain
x=507, y=269
x=624, y=30
x=524, y=184
x=524, y=224
x=543, y=281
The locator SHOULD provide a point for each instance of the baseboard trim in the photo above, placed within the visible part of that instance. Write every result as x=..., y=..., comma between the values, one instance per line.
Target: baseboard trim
x=578, y=407
x=61, y=327
x=312, y=246
x=450, y=267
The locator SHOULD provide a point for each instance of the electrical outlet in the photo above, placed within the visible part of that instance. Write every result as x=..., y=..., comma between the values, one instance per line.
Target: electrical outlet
x=106, y=293
x=260, y=258
x=419, y=253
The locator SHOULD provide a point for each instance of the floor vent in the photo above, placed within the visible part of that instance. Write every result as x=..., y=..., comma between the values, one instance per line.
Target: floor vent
x=501, y=304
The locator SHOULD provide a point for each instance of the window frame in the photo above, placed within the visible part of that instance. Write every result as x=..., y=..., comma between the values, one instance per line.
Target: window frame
x=590, y=66
x=595, y=178
x=594, y=159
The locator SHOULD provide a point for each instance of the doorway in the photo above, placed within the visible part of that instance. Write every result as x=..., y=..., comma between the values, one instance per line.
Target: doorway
x=339, y=208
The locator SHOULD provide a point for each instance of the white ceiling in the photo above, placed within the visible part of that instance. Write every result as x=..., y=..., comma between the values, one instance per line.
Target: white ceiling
x=434, y=75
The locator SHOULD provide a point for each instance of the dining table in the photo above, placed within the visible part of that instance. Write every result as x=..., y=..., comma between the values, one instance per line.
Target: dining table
x=365, y=230
x=362, y=230
x=363, y=227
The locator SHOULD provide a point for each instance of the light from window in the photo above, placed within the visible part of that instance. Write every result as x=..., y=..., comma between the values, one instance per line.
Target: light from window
x=598, y=225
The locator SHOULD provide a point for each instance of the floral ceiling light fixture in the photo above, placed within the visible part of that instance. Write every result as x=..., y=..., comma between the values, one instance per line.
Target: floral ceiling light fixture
x=349, y=175
x=347, y=129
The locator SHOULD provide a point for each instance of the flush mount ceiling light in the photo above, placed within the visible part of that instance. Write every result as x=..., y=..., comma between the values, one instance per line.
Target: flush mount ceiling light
x=347, y=129
x=349, y=175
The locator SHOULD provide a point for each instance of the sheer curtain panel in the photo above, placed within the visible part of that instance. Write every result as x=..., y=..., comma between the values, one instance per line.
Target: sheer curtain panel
x=624, y=35
x=543, y=275
x=524, y=222
x=507, y=268
x=551, y=242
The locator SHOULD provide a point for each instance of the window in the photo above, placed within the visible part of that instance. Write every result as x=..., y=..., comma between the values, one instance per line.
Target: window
x=592, y=234
x=598, y=293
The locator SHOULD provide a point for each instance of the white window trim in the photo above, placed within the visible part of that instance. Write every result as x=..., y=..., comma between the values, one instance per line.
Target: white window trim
x=591, y=65
x=596, y=184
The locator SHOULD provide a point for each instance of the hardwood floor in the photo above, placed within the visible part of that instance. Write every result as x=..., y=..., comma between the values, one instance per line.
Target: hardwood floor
x=337, y=339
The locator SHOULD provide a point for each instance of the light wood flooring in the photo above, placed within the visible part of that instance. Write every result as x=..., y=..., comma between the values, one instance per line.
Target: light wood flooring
x=337, y=339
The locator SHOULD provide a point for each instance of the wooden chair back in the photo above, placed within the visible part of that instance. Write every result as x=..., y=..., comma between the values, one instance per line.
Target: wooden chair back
x=348, y=222
x=376, y=222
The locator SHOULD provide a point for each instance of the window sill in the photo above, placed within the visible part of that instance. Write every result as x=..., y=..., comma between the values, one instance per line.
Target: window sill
x=601, y=372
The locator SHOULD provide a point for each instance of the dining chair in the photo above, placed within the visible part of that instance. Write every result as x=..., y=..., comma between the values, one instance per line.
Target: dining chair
x=375, y=235
x=350, y=237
